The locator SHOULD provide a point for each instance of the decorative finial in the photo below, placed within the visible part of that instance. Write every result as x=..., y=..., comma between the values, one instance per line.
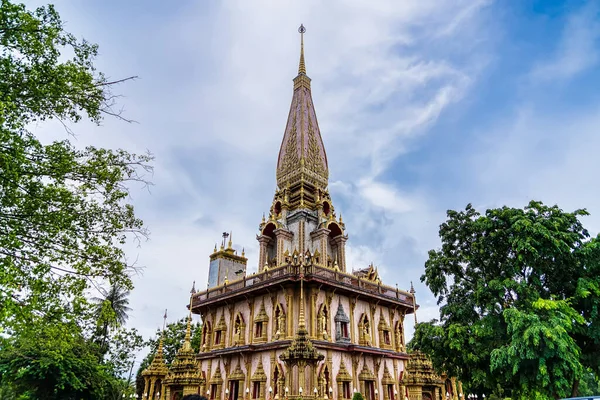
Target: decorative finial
x=414, y=299
x=302, y=66
x=341, y=220
x=165, y=320
x=193, y=291
x=215, y=248
x=243, y=252
x=263, y=218
x=302, y=322
x=230, y=240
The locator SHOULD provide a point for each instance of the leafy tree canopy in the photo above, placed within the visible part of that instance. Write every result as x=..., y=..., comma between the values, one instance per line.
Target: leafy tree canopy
x=63, y=210
x=519, y=294
x=56, y=361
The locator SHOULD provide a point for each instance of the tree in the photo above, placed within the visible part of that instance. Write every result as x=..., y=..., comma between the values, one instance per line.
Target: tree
x=110, y=311
x=63, y=210
x=173, y=337
x=519, y=299
x=53, y=361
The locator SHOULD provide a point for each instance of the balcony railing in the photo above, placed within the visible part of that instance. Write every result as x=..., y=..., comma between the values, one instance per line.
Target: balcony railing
x=288, y=271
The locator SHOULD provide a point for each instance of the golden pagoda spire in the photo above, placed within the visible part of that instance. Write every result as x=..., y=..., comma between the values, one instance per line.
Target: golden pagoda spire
x=230, y=240
x=302, y=65
x=187, y=344
x=414, y=298
x=162, y=335
x=302, y=323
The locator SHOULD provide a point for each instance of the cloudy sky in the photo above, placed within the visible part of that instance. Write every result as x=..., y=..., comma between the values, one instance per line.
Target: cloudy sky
x=423, y=105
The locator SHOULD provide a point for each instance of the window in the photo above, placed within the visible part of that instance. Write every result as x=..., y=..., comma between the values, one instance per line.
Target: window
x=217, y=337
x=369, y=390
x=346, y=390
x=213, y=391
x=386, y=337
x=390, y=391
x=345, y=330
x=258, y=330
x=256, y=390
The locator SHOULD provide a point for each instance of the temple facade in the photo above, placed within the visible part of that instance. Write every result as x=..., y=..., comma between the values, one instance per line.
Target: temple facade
x=304, y=325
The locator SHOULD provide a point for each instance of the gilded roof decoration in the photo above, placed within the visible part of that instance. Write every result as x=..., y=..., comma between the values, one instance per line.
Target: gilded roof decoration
x=343, y=375
x=262, y=314
x=302, y=154
x=237, y=374
x=158, y=367
x=217, y=377
x=184, y=369
x=302, y=350
x=420, y=371
x=259, y=375
x=388, y=379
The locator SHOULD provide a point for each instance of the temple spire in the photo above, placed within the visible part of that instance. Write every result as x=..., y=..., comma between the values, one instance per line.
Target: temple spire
x=302, y=162
x=302, y=322
x=302, y=65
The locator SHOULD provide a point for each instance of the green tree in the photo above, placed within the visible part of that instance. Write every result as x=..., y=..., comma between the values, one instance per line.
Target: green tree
x=53, y=361
x=518, y=290
x=63, y=210
x=358, y=396
x=110, y=311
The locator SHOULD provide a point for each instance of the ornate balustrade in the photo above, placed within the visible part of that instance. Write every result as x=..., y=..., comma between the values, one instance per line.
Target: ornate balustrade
x=311, y=271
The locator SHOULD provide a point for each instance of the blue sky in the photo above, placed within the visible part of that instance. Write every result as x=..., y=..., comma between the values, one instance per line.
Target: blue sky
x=424, y=106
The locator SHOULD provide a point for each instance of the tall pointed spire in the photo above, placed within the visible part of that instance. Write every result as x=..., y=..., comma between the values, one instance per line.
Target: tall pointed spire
x=302, y=322
x=302, y=65
x=302, y=163
x=187, y=343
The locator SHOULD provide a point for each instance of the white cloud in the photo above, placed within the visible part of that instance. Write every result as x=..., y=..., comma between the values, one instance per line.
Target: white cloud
x=212, y=105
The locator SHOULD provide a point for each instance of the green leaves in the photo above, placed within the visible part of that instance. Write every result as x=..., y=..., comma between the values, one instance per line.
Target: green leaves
x=519, y=295
x=64, y=214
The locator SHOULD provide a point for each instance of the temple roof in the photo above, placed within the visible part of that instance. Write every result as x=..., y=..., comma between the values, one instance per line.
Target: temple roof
x=302, y=154
x=158, y=367
x=184, y=369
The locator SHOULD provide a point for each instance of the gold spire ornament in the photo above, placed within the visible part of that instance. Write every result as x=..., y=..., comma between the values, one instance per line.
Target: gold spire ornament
x=302, y=65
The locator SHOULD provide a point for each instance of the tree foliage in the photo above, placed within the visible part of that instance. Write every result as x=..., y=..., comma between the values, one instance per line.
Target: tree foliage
x=63, y=210
x=110, y=311
x=519, y=296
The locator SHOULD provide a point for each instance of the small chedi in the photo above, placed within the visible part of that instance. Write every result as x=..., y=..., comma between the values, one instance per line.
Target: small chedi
x=302, y=326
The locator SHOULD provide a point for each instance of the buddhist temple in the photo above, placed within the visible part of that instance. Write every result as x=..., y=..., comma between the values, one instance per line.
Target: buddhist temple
x=305, y=325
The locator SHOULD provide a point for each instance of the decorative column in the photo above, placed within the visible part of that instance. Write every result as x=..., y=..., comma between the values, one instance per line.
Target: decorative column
x=251, y=322
x=282, y=236
x=263, y=241
x=319, y=239
x=454, y=391
x=340, y=242
x=353, y=337
x=460, y=390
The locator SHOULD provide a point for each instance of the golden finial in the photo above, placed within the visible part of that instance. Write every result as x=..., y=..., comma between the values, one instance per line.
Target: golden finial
x=412, y=291
x=215, y=248
x=302, y=323
x=165, y=320
x=230, y=240
x=302, y=66
x=263, y=218
x=243, y=252
x=341, y=220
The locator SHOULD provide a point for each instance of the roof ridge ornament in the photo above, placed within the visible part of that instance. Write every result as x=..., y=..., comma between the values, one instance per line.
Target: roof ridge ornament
x=302, y=65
